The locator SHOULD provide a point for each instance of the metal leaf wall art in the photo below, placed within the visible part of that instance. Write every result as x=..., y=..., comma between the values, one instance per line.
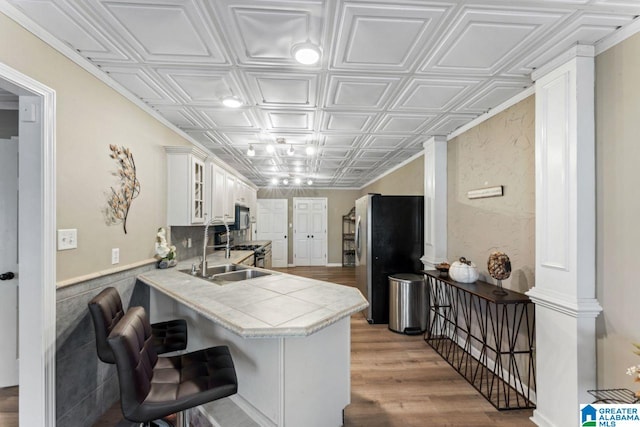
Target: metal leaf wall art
x=120, y=198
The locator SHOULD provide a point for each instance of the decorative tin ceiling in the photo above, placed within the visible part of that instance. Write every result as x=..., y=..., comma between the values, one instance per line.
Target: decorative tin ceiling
x=392, y=73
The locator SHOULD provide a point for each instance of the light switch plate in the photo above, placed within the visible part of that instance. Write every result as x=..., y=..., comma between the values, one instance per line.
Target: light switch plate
x=115, y=256
x=67, y=239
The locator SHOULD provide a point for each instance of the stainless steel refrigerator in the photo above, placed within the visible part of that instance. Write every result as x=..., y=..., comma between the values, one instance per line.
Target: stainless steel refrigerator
x=389, y=240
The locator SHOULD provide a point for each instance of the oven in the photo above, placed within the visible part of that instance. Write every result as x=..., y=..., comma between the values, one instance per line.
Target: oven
x=259, y=256
x=263, y=256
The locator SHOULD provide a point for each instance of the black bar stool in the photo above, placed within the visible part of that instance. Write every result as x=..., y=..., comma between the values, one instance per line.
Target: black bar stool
x=106, y=311
x=153, y=387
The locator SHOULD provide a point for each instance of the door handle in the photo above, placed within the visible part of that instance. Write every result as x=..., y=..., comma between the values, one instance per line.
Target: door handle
x=7, y=276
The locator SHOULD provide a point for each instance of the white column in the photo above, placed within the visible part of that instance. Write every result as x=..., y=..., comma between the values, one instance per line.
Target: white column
x=435, y=201
x=564, y=294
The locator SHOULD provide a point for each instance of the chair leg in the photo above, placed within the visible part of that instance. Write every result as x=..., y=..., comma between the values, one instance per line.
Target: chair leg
x=182, y=419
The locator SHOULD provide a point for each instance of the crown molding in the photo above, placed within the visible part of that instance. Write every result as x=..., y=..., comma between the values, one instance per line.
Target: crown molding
x=493, y=112
x=576, y=51
x=618, y=36
x=29, y=25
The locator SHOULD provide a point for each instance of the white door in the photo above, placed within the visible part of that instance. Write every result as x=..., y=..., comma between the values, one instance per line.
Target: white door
x=9, y=261
x=271, y=224
x=309, y=231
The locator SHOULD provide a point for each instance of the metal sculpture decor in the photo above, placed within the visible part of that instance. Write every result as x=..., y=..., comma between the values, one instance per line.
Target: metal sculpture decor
x=121, y=198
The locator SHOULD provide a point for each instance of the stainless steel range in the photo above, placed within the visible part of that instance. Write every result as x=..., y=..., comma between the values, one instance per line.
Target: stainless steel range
x=261, y=253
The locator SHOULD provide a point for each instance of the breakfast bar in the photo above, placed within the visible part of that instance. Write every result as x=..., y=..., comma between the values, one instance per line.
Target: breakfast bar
x=289, y=337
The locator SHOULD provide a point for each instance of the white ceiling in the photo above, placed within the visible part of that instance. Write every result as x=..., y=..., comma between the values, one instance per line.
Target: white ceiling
x=392, y=73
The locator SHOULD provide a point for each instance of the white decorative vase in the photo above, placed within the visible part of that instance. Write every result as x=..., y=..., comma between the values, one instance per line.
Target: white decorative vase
x=463, y=271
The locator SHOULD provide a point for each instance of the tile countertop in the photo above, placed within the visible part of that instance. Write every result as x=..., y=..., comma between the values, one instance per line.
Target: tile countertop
x=277, y=305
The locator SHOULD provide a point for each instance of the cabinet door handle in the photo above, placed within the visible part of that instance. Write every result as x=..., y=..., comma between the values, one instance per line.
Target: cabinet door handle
x=307, y=236
x=312, y=236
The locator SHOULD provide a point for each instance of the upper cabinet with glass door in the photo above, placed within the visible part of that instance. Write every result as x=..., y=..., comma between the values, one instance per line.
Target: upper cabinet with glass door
x=187, y=186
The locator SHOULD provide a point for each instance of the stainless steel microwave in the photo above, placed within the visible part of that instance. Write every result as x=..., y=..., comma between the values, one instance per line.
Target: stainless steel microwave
x=243, y=220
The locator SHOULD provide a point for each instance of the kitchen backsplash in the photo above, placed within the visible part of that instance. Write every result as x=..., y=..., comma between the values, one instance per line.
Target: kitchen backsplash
x=179, y=236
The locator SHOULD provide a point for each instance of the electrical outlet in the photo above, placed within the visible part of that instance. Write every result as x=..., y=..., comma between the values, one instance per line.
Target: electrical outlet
x=188, y=242
x=67, y=239
x=115, y=256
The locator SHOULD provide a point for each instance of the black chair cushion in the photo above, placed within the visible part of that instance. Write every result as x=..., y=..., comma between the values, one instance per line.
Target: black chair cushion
x=169, y=336
x=106, y=311
x=152, y=387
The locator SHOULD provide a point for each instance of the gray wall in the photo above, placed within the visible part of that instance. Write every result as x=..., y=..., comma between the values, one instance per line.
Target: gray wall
x=85, y=386
x=499, y=151
x=618, y=210
x=405, y=181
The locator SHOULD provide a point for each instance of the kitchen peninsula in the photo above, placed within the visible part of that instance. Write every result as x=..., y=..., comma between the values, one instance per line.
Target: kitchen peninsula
x=289, y=337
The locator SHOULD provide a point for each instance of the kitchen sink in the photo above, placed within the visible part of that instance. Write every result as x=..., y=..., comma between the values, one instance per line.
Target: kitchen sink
x=217, y=269
x=236, y=276
x=228, y=273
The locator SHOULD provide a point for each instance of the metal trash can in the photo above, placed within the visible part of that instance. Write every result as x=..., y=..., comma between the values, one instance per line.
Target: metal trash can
x=407, y=303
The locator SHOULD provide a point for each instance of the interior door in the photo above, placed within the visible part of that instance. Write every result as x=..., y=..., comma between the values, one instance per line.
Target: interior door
x=271, y=224
x=310, y=231
x=9, y=261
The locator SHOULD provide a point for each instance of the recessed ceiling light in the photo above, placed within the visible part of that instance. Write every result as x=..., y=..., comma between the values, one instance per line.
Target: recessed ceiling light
x=291, y=151
x=251, y=152
x=274, y=181
x=306, y=53
x=310, y=150
x=285, y=181
x=297, y=181
x=309, y=182
x=232, y=101
x=270, y=148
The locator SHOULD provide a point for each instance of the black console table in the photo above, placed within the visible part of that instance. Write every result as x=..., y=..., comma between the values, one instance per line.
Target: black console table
x=487, y=338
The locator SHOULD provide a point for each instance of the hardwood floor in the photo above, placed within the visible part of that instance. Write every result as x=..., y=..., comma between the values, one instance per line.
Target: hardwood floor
x=399, y=380
x=396, y=380
x=9, y=407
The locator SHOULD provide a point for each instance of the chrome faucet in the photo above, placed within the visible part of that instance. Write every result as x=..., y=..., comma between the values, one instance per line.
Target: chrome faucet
x=227, y=249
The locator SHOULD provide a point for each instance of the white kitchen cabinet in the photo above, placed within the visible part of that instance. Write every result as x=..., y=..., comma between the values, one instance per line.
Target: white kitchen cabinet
x=230, y=197
x=247, y=196
x=242, y=193
x=217, y=200
x=222, y=193
x=186, y=186
x=253, y=204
